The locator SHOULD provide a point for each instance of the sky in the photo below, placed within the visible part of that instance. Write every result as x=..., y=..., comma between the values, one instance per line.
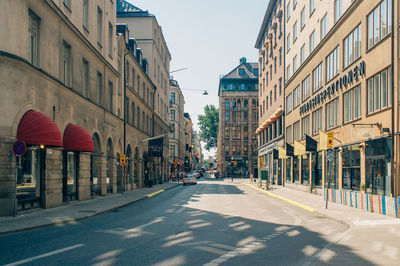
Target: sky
x=207, y=37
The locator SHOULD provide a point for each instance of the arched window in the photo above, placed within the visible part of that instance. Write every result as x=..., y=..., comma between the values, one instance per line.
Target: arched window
x=226, y=104
x=233, y=103
x=238, y=103
x=246, y=104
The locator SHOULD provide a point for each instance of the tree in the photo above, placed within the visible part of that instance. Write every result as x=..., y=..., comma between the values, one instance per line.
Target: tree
x=208, y=124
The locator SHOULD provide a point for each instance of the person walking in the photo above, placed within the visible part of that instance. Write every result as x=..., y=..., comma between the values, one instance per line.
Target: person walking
x=251, y=177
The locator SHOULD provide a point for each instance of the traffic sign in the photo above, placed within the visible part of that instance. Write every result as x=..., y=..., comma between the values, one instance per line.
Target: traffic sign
x=175, y=164
x=330, y=141
x=19, y=148
x=122, y=160
x=329, y=154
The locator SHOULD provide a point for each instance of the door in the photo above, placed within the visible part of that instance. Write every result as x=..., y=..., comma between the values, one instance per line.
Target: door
x=70, y=176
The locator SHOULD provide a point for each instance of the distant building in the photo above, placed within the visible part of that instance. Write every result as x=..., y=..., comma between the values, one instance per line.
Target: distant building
x=187, y=160
x=238, y=120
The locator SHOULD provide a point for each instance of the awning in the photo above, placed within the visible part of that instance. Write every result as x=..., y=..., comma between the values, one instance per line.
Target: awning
x=77, y=138
x=271, y=119
x=36, y=128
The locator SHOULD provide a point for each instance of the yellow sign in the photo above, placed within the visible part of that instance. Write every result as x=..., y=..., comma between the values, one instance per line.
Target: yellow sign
x=323, y=141
x=299, y=149
x=330, y=141
x=122, y=160
x=261, y=162
x=282, y=153
x=234, y=162
x=175, y=164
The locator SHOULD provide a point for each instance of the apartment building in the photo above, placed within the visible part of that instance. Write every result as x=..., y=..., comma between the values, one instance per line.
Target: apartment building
x=271, y=51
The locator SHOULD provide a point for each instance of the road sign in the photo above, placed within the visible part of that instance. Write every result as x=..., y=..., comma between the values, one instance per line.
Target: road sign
x=19, y=148
x=330, y=141
x=122, y=160
x=329, y=155
x=175, y=163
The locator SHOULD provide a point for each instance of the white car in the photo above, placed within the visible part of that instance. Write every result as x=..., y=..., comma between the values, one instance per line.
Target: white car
x=189, y=179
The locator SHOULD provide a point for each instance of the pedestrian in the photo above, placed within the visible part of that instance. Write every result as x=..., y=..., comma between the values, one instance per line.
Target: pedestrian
x=251, y=177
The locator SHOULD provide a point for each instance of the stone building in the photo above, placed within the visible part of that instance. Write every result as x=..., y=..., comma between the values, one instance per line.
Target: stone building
x=347, y=86
x=177, y=124
x=149, y=38
x=270, y=45
x=61, y=70
x=238, y=120
x=187, y=159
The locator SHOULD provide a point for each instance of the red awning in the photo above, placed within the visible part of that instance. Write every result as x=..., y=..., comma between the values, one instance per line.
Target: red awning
x=77, y=138
x=36, y=128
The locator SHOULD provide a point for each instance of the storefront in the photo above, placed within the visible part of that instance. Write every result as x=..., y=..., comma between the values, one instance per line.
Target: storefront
x=332, y=169
x=316, y=169
x=38, y=132
x=305, y=169
x=95, y=167
x=351, y=162
x=378, y=169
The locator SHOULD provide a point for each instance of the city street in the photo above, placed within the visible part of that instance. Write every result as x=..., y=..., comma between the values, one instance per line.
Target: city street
x=211, y=223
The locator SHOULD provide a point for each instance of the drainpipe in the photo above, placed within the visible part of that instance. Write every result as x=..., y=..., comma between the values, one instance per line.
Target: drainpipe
x=394, y=188
x=284, y=91
x=123, y=180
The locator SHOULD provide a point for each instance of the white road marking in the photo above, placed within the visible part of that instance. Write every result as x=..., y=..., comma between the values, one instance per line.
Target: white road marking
x=45, y=255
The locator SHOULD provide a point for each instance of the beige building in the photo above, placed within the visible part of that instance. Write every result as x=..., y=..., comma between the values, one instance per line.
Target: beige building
x=62, y=94
x=178, y=125
x=345, y=86
x=238, y=120
x=187, y=159
x=270, y=45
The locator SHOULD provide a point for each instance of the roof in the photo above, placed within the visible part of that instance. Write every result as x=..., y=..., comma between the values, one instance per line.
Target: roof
x=126, y=9
x=248, y=72
x=264, y=24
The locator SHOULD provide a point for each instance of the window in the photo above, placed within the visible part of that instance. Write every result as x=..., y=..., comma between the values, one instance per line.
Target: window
x=66, y=64
x=312, y=41
x=288, y=11
x=85, y=78
x=294, y=4
x=312, y=6
x=296, y=130
x=172, y=115
x=305, y=85
x=379, y=23
x=303, y=18
x=227, y=117
x=270, y=97
x=110, y=39
x=275, y=92
x=317, y=77
x=280, y=56
x=338, y=9
x=172, y=150
x=133, y=78
x=172, y=100
x=324, y=28
x=288, y=72
x=332, y=64
x=99, y=87
x=288, y=42
x=99, y=25
x=133, y=114
x=280, y=86
x=289, y=138
x=110, y=96
x=352, y=104
x=296, y=97
x=294, y=32
x=270, y=72
x=226, y=104
x=34, y=23
x=294, y=64
x=332, y=110
x=302, y=54
x=305, y=126
x=379, y=91
x=352, y=47
x=275, y=65
x=241, y=71
x=316, y=121
x=67, y=3
x=85, y=9
x=289, y=103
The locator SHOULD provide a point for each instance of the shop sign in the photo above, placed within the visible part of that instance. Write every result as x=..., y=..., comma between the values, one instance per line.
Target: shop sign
x=156, y=147
x=329, y=146
x=122, y=160
x=351, y=76
x=268, y=148
x=235, y=158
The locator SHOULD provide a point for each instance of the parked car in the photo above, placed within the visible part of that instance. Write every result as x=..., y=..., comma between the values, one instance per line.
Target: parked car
x=189, y=179
x=196, y=174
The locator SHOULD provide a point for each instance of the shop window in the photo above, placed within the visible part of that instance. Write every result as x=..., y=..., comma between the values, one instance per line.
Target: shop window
x=296, y=171
x=378, y=168
x=70, y=176
x=351, y=167
x=316, y=169
x=305, y=170
x=289, y=170
x=332, y=170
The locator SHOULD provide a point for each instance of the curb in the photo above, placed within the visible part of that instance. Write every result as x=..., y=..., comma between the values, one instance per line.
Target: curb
x=146, y=196
x=300, y=205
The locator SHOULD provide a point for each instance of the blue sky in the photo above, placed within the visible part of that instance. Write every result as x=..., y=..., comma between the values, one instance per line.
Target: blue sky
x=208, y=37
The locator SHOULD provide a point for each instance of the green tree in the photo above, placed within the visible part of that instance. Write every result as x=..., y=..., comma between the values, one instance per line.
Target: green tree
x=208, y=124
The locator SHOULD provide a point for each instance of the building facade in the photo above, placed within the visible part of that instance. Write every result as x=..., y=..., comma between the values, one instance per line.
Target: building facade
x=149, y=38
x=347, y=86
x=62, y=70
x=177, y=124
x=238, y=120
x=187, y=159
x=270, y=45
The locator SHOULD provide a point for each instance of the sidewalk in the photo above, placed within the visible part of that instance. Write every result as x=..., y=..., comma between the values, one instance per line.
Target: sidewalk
x=316, y=203
x=78, y=210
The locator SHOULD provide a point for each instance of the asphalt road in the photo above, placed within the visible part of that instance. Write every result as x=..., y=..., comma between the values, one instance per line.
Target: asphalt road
x=211, y=223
